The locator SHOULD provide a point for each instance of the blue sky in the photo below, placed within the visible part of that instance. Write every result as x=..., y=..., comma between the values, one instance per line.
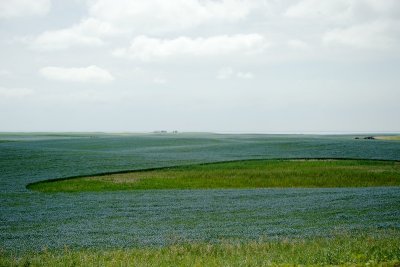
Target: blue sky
x=200, y=65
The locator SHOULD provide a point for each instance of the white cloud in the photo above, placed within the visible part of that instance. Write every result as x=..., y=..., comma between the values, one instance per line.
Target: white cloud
x=159, y=80
x=14, y=92
x=245, y=75
x=374, y=35
x=305, y=49
x=344, y=11
x=22, y=8
x=5, y=72
x=225, y=73
x=228, y=73
x=87, y=74
x=88, y=32
x=370, y=24
x=377, y=8
x=110, y=17
x=298, y=44
x=311, y=9
x=147, y=49
x=144, y=16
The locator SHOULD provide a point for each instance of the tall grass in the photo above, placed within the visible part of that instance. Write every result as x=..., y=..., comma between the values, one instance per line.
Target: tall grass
x=380, y=248
x=240, y=174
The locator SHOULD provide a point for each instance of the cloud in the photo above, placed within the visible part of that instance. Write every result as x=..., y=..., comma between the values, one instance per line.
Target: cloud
x=88, y=74
x=373, y=35
x=22, y=8
x=388, y=6
x=5, y=72
x=88, y=32
x=147, y=49
x=245, y=75
x=144, y=16
x=14, y=92
x=367, y=24
x=344, y=11
x=159, y=80
x=376, y=9
x=108, y=18
x=228, y=73
x=311, y=9
x=225, y=73
x=298, y=44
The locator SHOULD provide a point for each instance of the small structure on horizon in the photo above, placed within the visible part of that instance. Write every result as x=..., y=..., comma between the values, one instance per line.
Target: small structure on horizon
x=366, y=137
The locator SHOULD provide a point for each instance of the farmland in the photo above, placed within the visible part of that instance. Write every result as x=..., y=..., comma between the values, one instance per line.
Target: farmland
x=108, y=221
x=388, y=137
x=379, y=248
x=240, y=174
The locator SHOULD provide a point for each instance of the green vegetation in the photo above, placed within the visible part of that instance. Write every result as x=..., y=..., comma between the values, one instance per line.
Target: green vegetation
x=381, y=248
x=240, y=174
x=388, y=137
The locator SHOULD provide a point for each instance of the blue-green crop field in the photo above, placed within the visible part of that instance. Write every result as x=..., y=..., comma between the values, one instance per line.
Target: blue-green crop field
x=31, y=221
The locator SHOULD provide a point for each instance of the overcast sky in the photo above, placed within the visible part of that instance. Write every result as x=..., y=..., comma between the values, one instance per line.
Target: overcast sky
x=200, y=65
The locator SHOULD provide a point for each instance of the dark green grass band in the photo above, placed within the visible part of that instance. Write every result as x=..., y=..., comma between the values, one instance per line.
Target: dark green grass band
x=241, y=175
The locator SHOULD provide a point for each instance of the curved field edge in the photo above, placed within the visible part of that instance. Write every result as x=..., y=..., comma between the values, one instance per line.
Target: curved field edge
x=282, y=173
x=379, y=248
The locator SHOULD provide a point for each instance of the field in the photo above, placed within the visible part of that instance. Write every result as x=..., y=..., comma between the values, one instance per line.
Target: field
x=388, y=137
x=239, y=174
x=379, y=248
x=96, y=224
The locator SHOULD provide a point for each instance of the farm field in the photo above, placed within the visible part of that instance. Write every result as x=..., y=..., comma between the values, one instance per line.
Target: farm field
x=239, y=174
x=377, y=249
x=199, y=133
x=108, y=221
x=388, y=137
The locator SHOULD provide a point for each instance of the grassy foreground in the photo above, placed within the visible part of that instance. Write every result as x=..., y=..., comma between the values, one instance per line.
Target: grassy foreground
x=240, y=174
x=378, y=249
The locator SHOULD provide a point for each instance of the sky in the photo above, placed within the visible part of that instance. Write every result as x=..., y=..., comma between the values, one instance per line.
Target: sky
x=200, y=65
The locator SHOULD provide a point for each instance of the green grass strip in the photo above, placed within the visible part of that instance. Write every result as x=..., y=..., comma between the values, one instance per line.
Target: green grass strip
x=388, y=137
x=240, y=174
x=379, y=249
